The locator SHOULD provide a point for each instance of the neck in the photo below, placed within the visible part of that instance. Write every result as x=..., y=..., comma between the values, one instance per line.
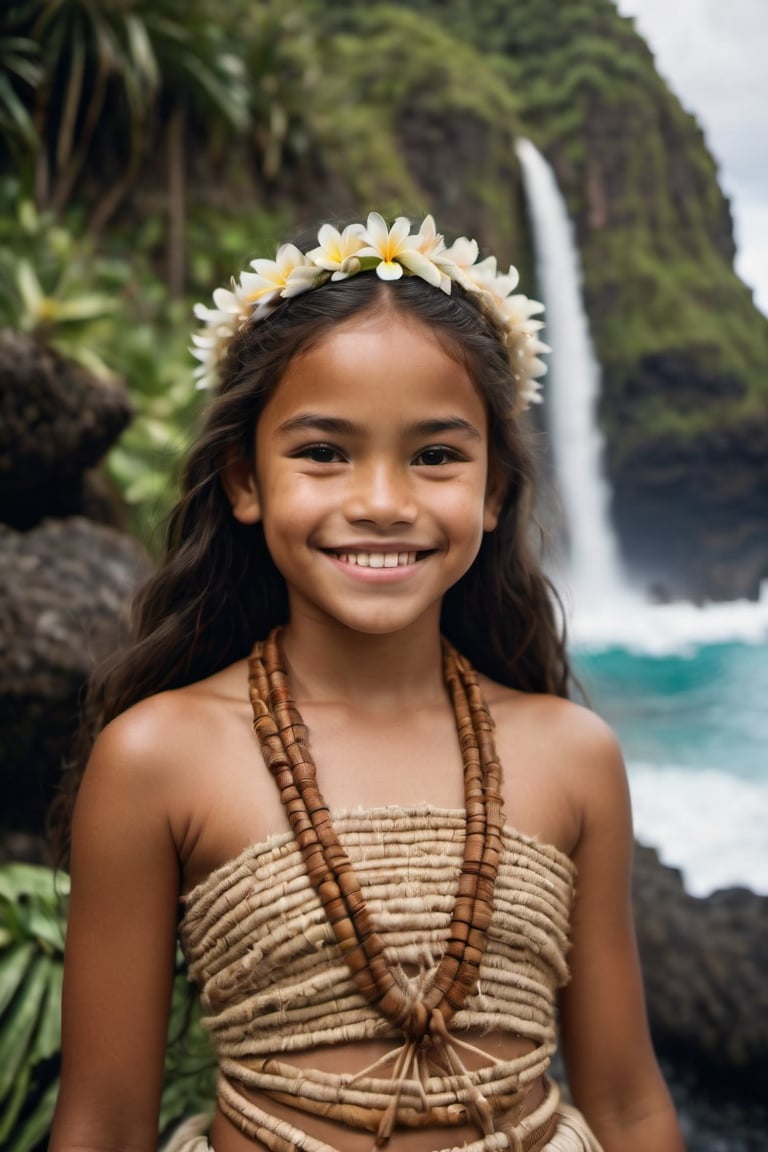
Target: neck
x=372, y=672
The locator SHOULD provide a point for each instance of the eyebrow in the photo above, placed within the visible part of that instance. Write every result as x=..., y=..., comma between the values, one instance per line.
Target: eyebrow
x=337, y=425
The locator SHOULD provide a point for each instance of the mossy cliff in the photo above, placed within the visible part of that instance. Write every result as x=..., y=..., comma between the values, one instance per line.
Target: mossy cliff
x=415, y=106
x=684, y=351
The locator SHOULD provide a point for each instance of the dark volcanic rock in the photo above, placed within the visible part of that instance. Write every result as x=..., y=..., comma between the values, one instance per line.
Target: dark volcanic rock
x=56, y=422
x=63, y=586
x=692, y=513
x=704, y=963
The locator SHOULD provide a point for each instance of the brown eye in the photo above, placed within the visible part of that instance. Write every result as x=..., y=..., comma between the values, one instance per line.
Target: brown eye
x=321, y=453
x=435, y=456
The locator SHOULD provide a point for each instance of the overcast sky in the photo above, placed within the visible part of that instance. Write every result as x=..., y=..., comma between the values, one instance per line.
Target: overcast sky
x=714, y=56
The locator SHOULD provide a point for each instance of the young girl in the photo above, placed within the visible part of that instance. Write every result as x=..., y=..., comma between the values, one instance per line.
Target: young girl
x=337, y=757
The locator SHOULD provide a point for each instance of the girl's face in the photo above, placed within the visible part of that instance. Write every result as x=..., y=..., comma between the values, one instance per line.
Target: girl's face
x=371, y=476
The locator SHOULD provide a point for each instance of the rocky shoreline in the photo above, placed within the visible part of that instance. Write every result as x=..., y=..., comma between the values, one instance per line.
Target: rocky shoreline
x=704, y=962
x=713, y=1120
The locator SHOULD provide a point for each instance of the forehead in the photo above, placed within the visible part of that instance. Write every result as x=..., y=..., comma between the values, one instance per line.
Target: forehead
x=376, y=368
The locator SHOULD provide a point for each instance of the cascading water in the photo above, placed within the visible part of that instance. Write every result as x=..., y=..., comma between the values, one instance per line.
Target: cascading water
x=572, y=387
x=607, y=610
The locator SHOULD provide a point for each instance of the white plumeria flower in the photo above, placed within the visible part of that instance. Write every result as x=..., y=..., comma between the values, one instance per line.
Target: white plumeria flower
x=431, y=244
x=301, y=279
x=458, y=261
x=395, y=250
x=487, y=279
x=338, y=250
x=229, y=302
x=290, y=273
x=529, y=392
x=221, y=323
x=516, y=311
x=463, y=252
x=428, y=240
x=506, y=282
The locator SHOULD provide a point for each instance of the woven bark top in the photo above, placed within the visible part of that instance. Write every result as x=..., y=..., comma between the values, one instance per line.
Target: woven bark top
x=263, y=942
x=274, y=981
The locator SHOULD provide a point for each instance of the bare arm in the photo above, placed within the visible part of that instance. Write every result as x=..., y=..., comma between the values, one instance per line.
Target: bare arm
x=119, y=953
x=612, y=1069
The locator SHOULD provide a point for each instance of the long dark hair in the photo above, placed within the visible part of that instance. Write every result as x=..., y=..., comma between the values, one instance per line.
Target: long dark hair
x=218, y=590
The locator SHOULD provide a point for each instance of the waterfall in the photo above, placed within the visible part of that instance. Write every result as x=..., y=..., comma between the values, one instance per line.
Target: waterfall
x=572, y=387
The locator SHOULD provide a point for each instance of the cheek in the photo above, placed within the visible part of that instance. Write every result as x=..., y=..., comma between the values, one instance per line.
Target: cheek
x=464, y=510
x=292, y=506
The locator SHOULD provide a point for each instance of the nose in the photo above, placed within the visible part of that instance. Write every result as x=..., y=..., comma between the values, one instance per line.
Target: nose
x=380, y=492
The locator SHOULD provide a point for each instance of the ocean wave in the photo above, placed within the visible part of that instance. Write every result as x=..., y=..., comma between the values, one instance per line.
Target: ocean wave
x=708, y=823
x=626, y=621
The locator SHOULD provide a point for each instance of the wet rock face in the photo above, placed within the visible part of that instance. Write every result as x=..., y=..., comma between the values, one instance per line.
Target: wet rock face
x=63, y=590
x=691, y=513
x=704, y=963
x=56, y=422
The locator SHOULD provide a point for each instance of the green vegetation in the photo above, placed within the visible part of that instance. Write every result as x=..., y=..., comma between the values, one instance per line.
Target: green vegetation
x=33, y=904
x=31, y=945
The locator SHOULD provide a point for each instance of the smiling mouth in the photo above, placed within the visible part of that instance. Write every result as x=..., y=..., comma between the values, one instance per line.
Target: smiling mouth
x=378, y=559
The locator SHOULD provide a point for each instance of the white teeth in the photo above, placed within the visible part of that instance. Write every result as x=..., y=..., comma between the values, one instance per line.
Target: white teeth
x=378, y=559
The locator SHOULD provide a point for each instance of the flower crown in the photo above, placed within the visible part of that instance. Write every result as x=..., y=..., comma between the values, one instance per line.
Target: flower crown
x=391, y=253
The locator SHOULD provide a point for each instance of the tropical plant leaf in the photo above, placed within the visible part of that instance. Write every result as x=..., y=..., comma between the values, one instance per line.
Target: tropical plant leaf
x=30, y=880
x=14, y=965
x=47, y=1040
x=32, y=911
x=13, y=1104
x=20, y=1022
x=33, y=1130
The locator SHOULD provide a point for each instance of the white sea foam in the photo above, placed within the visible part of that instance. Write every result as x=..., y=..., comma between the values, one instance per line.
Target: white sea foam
x=627, y=621
x=709, y=824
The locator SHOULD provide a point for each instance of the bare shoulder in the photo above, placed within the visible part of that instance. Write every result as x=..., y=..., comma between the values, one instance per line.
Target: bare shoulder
x=158, y=754
x=562, y=762
x=560, y=729
x=161, y=731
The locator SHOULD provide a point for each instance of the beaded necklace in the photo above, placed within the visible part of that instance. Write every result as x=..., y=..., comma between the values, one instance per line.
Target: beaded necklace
x=285, y=746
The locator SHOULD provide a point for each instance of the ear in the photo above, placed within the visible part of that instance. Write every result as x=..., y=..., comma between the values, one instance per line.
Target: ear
x=239, y=483
x=495, y=492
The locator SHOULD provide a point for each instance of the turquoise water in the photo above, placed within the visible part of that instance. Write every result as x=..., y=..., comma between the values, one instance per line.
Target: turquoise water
x=694, y=730
x=707, y=710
